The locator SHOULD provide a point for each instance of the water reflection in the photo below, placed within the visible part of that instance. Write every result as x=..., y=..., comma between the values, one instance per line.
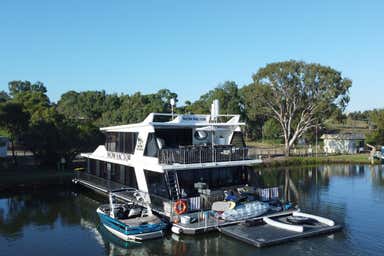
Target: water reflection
x=66, y=216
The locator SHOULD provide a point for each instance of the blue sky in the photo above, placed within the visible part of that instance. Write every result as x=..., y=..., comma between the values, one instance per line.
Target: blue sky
x=187, y=46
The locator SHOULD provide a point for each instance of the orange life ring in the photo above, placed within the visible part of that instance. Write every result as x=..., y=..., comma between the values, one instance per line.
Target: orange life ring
x=180, y=207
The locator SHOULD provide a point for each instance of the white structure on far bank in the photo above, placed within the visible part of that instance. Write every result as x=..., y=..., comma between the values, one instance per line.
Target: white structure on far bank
x=347, y=143
x=3, y=146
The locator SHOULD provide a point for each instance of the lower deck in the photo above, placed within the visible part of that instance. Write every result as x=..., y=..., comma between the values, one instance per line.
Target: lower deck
x=121, y=191
x=254, y=231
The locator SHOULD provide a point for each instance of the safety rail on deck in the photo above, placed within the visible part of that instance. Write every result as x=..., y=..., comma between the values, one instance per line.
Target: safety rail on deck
x=202, y=154
x=159, y=204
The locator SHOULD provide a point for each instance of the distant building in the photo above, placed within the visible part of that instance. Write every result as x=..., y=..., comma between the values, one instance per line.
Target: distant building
x=3, y=146
x=344, y=143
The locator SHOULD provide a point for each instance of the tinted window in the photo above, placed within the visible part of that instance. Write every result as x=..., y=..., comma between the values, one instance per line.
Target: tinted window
x=92, y=166
x=115, y=172
x=130, y=177
x=124, y=142
x=103, y=169
x=174, y=138
x=156, y=183
x=151, y=149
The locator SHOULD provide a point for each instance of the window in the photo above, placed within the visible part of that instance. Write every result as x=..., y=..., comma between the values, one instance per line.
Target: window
x=110, y=142
x=151, y=149
x=130, y=177
x=128, y=142
x=103, y=170
x=92, y=166
x=123, y=142
x=156, y=183
x=237, y=139
x=174, y=138
x=115, y=172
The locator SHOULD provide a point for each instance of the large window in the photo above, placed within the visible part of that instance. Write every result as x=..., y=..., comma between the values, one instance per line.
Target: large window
x=124, y=142
x=156, y=183
x=174, y=138
x=213, y=177
x=115, y=172
x=151, y=149
x=92, y=164
x=130, y=177
x=103, y=169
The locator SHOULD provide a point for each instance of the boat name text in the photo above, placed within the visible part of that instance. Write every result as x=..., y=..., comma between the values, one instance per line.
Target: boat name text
x=119, y=156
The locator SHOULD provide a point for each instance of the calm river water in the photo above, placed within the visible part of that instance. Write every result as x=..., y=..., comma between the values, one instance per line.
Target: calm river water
x=61, y=219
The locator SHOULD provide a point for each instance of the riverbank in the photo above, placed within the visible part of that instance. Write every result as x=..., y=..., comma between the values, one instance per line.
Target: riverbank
x=305, y=161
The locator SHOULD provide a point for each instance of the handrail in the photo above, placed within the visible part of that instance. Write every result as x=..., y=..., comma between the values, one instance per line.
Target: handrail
x=202, y=154
x=124, y=192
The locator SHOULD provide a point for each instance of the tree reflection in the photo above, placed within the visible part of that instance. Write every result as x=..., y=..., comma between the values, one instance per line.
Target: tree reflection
x=42, y=208
x=377, y=175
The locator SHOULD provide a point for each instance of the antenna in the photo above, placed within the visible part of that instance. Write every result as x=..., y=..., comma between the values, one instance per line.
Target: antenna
x=173, y=103
x=215, y=109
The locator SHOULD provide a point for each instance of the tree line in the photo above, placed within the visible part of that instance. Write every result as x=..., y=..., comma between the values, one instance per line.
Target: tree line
x=284, y=101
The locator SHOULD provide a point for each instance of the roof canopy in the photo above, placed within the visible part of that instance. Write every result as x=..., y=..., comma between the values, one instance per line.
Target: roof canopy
x=177, y=121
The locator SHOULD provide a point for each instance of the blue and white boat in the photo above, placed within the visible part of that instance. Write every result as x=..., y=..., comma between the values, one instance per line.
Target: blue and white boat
x=130, y=221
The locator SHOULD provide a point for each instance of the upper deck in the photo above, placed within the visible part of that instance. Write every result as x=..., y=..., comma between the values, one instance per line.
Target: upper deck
x=167, y=141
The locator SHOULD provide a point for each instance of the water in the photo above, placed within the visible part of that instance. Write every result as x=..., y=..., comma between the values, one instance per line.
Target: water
x=61, y=220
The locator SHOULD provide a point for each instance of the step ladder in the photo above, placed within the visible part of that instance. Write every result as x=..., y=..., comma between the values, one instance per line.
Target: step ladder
x=173, y=184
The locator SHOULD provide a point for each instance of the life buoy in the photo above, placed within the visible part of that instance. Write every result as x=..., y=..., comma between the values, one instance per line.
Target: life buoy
x=180, y=207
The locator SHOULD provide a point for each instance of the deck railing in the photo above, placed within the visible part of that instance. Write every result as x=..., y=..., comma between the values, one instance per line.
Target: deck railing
x=159, y=204
x=202, y=154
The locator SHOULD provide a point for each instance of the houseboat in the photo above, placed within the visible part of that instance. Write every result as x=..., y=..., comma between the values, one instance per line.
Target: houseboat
x=171, y=157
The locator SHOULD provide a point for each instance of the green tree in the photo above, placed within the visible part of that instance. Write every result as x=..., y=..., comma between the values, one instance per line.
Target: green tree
x=228, y=95
x=299, y=95
x=69, y=105
x=376, y=136
x=272, y=130
x=4, y=96
x=136, y=107
x=32, y=96
x=16, y=87
x=14, y=120
x=254, y=112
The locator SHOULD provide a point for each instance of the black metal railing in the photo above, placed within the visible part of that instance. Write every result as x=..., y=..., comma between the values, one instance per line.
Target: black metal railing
x=126, y=193
x=202, y=154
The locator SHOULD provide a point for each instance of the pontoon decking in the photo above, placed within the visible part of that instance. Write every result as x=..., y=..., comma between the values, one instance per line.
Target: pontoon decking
x=258, y=233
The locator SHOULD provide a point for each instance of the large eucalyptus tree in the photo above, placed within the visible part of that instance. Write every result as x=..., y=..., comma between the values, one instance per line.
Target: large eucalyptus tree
x=299, y=95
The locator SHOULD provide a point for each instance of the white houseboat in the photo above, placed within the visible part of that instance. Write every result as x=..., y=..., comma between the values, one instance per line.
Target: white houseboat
x=171, y=157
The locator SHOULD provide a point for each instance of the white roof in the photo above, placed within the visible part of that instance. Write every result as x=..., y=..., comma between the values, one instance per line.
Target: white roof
x=192, y=121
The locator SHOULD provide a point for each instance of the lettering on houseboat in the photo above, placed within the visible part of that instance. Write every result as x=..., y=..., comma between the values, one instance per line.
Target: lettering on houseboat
x=119, y=156
x=140, y=144
x=194, y=118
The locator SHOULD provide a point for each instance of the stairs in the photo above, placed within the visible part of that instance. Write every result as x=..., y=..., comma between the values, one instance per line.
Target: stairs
x=173, y=184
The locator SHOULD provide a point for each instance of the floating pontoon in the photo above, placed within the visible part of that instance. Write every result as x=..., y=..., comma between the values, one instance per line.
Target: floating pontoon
x=281, y=228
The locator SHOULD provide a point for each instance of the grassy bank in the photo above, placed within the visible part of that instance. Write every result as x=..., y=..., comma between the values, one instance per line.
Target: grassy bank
x=302, y=161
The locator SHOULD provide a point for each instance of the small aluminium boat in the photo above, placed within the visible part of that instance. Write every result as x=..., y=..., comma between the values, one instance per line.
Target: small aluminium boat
x=130, y=221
